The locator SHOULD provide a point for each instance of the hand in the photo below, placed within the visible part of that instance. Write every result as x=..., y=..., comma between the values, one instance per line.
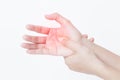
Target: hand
x=65, y=41
x=84, y=58
x=51, y=44
x=80, y=53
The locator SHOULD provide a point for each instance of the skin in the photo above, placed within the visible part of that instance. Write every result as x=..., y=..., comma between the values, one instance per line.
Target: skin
x=52, y=43
x=79, y=52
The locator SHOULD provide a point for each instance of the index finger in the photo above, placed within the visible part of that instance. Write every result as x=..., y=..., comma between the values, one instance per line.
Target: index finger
x=65, y=23
x=60, y=19
x=39, y=29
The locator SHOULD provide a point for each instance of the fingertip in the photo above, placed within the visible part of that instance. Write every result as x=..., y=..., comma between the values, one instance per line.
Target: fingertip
x=23, y=45
x=49, y=17
x=52, y=16
x=55, y=13
x=29, y=27
x=25, y=37
x=91, y=39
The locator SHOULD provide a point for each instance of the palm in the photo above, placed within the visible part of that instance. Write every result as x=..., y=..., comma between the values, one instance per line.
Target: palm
x=52, y=43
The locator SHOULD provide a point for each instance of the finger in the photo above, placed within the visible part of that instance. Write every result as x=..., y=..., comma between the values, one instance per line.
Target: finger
x=35, y=39
x=91, y=39
x=85, y=36
x=60, y=19
x=29, y=46
x=39, y=29
x=66, y=24
x=46, y=51
x=43, y=50
x=39, y=51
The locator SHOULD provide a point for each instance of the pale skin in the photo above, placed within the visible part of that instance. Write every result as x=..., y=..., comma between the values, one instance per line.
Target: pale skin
x=79, y=52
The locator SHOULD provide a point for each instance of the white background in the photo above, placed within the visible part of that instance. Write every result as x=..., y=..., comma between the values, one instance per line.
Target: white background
x=98, y=18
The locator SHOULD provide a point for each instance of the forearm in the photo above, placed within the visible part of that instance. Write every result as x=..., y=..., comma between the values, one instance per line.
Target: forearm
x=104, y=55
x=107, y=57
x=108, y=73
